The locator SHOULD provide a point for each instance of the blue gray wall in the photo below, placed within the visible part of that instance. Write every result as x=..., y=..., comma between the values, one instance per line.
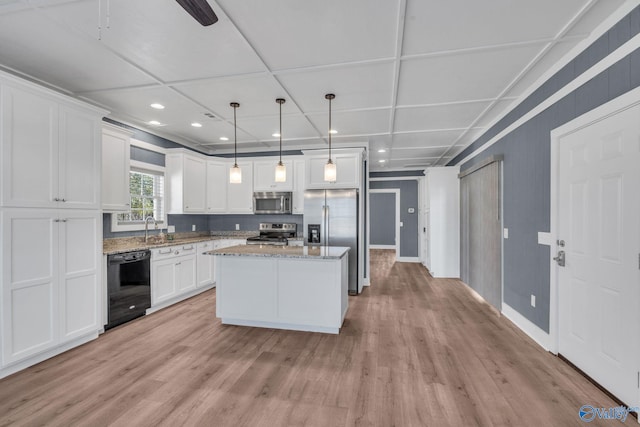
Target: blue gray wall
x=408, y=199
x=527, y=151
x=251, y=222
x=382, y=218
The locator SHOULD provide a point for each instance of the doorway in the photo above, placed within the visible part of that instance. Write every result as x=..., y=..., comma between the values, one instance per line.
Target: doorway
x=384, y=219
x=595, y=282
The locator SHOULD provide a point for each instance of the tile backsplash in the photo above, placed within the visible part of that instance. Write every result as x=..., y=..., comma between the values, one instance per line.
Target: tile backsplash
x=184, y=223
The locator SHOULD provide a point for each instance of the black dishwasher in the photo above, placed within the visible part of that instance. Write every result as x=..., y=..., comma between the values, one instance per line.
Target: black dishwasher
x=128, y=286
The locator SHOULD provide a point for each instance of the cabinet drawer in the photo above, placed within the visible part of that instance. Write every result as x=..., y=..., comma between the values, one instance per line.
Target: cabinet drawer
x=173, y=251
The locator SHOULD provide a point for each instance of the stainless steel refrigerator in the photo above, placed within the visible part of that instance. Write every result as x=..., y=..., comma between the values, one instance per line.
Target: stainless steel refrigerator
x=331, y=219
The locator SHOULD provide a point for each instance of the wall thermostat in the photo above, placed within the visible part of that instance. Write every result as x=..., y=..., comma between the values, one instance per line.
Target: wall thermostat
x=411, y=210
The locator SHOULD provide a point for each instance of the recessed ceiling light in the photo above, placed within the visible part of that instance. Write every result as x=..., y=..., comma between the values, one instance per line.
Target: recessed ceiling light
x=157, y=106
x=155, y=123
x=333, y=131
x=275, y=135
x=381, y=161
x=224, y=138
x=382, y=150
x=196, y=125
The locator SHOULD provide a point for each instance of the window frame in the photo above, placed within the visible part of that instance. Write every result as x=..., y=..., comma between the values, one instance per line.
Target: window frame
x=137, y=166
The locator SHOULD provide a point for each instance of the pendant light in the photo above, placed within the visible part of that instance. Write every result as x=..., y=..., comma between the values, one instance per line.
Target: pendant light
x=330, y=168
x=281, y=170
x=235, y=174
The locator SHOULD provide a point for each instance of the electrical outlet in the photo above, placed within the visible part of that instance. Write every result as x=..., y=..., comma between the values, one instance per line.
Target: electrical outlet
x=533, y=301
x=237, y=226
x=193, y=227
x=401, y=224
x=505, y=233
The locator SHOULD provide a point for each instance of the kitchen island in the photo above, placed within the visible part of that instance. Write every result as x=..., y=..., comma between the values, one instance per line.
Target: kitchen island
x=302, y=288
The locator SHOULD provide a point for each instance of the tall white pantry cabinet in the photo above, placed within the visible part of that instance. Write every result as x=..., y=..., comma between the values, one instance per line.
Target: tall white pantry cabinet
x=50, y=221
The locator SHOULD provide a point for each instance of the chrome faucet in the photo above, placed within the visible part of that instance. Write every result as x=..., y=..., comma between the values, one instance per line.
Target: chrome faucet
x=146, y=227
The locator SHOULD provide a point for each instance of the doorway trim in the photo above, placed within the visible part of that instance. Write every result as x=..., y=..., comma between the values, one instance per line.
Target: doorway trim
x=621, y=103
x=395, y=191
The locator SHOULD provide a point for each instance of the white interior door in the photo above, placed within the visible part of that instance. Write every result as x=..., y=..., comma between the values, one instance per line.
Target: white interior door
x=599, y=221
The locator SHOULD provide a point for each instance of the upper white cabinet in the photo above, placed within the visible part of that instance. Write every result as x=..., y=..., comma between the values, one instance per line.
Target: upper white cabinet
x=240, y=196
x=348, y=169
x=264, y=175
x=50, y=150
x=116, y=156
x=217, y=181
x=186, y=183
x=298, y=186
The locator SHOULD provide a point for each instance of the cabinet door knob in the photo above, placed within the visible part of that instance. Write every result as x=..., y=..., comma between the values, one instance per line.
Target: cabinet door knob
x=56, y=199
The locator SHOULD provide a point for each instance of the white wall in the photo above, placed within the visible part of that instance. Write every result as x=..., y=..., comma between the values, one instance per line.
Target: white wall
x=443, y=201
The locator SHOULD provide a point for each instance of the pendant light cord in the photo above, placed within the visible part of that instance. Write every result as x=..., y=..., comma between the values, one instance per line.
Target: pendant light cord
x=280, y=133
x=330, y=128
x=235, y=138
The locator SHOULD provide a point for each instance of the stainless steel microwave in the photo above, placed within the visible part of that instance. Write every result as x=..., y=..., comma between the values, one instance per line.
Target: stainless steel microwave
x=272, y=202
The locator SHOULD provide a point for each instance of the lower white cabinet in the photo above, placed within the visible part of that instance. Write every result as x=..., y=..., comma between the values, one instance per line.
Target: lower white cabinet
x=204, y=263
x=173, y=272
x=51, y=278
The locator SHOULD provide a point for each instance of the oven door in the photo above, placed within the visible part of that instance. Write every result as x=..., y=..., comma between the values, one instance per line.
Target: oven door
x=272, y=203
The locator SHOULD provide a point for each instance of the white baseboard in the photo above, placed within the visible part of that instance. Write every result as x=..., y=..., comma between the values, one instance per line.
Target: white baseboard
x=407, y=259
x=527, y=326
x=382, y=247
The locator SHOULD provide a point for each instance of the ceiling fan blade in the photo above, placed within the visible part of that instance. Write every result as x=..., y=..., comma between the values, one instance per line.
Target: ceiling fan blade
x=200, y=10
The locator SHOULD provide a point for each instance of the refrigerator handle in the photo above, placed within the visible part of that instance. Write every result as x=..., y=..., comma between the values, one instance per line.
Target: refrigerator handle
x=327, y=216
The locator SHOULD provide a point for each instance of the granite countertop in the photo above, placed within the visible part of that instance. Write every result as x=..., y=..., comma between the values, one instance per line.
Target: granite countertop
x=306, y=252
x=137, y=243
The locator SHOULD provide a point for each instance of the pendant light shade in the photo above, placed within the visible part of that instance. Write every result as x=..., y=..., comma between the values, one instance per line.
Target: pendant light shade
x=330, y=172
x=281, y=170
x=235, y=174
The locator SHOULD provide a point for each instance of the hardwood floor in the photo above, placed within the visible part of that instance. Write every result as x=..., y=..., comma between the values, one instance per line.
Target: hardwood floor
x=414, y=351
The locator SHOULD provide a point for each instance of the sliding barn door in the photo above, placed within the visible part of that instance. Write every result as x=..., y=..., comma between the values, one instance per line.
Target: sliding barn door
x=481, y=230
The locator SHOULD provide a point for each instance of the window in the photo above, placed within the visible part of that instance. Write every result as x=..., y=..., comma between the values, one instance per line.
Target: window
x=146, y=189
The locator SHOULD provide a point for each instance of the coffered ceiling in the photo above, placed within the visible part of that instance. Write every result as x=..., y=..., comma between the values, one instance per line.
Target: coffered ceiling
x=418, y=78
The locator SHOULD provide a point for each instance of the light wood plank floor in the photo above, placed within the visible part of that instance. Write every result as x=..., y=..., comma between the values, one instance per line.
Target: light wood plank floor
x=414, y=351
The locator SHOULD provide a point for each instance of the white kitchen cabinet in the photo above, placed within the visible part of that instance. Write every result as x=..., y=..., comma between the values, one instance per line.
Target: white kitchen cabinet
x=80, y=273
x=299, y=185
x=186, y=183
x=348, y=171
x=50, y=150
x=116, y=157
x=187, y=274
x=173, y=272
x=51, y=278
x=163, y=280
x=240, y=196
x=217, y=181
x=264, y=175
x=204, y=263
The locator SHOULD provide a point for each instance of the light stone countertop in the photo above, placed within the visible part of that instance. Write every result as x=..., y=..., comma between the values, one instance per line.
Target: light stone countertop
x=136, y=243
x=305, y=252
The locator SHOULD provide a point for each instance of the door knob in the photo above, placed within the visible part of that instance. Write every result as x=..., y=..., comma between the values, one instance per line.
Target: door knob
x=560, y=259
